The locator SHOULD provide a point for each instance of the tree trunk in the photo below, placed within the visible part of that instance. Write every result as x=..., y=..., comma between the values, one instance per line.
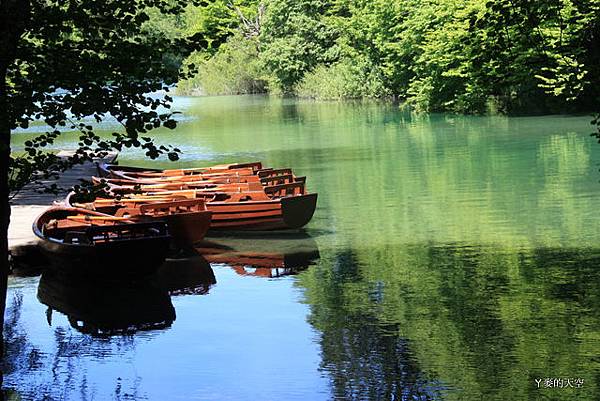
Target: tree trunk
x=4, y=205
x=14, y=17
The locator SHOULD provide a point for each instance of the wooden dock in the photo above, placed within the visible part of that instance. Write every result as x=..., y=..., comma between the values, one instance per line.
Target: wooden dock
x=29, y=203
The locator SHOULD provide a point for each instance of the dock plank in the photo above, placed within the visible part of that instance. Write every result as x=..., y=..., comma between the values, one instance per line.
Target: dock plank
x=29, y=203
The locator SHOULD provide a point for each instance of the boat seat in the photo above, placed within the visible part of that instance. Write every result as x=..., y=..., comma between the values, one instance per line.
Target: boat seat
x=247, y=196
x=61, y=226
x=278, y=179
x=178, y=206
x=274, y=172
x=127, y=211
x=126, y=231
x=292, y=188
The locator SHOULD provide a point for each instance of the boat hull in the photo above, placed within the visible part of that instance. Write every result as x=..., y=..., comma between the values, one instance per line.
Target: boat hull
x=188, y=228
x=112, y=261
x=292, y=212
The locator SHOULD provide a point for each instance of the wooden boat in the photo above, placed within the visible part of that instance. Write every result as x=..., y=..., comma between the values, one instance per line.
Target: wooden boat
x=246, y=211
x=230, y=182
x=108, y=170
x=252, y=211
x=256, y=191
x=291, y=212
x=277, y=201
x=105, y=309
x=188, y=220
x=247, y=173
x=87, y=243
x=125, y=179
x=129, y=186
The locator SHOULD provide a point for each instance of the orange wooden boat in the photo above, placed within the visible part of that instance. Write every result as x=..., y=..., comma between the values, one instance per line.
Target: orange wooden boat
x=87, y=243
x=126, y=186
x=225, y=182
x=246, y=211
x=253, y=211
x=110, y=170
x=246, y=174
x=291, y=212
x=262, y=199
x=188, y=220
x=259, y=191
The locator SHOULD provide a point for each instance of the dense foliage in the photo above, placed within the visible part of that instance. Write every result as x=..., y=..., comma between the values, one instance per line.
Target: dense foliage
x=84, y=62
x=472, y=56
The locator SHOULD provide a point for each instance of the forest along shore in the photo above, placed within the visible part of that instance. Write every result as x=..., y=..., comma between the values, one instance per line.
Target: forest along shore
x=30, y=202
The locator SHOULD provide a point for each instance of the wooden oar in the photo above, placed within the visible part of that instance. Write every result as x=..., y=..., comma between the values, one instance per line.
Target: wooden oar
x=97, y=218
x=200, y=186
x=190, y=193
x=133, y=200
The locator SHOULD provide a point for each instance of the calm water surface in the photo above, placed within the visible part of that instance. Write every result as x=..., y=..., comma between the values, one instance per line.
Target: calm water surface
x=451, y=258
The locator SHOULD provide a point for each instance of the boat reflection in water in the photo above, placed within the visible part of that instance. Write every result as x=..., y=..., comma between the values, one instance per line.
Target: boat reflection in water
x=104, y=308
x=190, y=274
x=265, y=256
x=107, y=308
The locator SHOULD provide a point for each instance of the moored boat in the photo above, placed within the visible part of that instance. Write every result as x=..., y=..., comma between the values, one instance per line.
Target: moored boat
x=242, y=197
x=91, y=244
x=247, y=173
x=108, y=170
x=291, y=212
x=244, y=211
x=188, y=220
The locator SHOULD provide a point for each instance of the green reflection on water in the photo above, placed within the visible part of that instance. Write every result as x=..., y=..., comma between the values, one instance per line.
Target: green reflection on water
x=459, y=255
x=475, y=323
x=386, y=176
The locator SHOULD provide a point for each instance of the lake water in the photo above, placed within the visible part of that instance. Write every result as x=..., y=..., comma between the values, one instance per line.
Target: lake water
x=450, y=258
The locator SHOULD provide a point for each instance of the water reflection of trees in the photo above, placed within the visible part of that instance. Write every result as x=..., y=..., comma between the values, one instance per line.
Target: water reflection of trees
x=365, y=357
x=57, y=371
x=456, y=322
x=110, y=312
x=19, y=352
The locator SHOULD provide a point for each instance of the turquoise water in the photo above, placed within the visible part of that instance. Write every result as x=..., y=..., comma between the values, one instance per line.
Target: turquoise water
x=458, y=259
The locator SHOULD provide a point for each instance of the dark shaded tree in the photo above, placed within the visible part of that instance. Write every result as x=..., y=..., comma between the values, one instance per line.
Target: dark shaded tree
x=71, y=65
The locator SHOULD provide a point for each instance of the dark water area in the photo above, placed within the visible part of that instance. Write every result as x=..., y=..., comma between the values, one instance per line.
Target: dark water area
x=450, y=258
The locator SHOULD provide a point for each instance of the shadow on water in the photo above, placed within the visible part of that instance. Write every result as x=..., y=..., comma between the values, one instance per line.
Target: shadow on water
x=262, y=256
x=105, y=309
x=186, y=275
x=114, y=308
x=456, y=321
